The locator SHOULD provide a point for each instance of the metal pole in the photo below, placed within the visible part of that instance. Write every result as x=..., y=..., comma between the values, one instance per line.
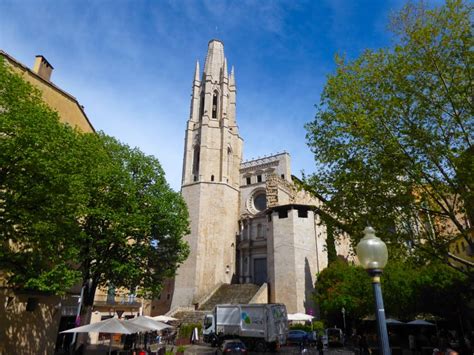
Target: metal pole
x=384, y=346
x=344, y=318
x=78, y=314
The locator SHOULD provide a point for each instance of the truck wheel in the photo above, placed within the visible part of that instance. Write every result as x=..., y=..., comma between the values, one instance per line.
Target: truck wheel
x=214, y=341
x=260, y=346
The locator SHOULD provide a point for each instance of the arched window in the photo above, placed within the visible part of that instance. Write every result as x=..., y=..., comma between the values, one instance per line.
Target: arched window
x=214, y=104
x=196, y=163
x=229, y=163
x=212, y=177
x=201, y=108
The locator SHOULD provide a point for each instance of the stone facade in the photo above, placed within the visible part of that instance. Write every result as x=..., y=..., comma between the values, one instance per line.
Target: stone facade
x=249, y=221
x=210, y=184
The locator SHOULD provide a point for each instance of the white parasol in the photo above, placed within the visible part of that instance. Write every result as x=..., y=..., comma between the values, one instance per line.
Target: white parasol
x=148, y=322
x=164, y=318
x=111, y=326
x=300, y=317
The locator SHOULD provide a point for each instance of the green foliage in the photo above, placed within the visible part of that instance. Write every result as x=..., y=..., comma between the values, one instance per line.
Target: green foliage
x=343, y=285
x=298, y=326
x=393, y=134
x=400, y=288
x=42, y=189
x=318, y=325
x=408, y=289
x=79, y=206
x=330, y=241
x=185, y=330
x=133, y=215
x=315, y=325
x=443, y=291
x=180, y=349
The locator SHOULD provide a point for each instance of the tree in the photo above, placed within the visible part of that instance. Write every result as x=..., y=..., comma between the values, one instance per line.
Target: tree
x=343, y=285
x=80, y=207
x=42, y=190
x=409, y=289
x=133, y=215
x=393, y=136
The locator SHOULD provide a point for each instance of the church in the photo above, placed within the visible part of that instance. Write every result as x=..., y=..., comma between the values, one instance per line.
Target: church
x=249, y=222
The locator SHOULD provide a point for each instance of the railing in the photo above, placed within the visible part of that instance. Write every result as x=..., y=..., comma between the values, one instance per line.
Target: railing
x=121, y=299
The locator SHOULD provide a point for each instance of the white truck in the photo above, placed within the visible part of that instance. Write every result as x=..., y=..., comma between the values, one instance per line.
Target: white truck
x=259, y=326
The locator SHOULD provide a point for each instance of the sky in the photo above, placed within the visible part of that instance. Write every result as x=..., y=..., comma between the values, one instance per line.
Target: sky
x=131, y=63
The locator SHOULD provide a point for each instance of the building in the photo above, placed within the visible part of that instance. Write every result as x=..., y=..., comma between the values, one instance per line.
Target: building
x=249, y=221
x=69, y=109
x=29, y=322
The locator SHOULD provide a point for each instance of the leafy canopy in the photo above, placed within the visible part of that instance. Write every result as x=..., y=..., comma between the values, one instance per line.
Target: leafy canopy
x=408, y=290
x=393, y=135
x=77, y=206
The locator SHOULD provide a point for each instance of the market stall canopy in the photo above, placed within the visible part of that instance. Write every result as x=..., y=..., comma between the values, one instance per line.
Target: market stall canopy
x=300, y=317
x=148, y=322
x=391, y=321
x=420, y=322
x=164, y=318
x=111, y=325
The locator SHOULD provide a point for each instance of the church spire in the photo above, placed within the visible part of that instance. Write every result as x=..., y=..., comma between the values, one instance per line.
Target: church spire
x=214, y=59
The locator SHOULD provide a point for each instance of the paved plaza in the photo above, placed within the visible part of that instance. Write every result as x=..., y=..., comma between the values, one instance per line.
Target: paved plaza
x=203, y=349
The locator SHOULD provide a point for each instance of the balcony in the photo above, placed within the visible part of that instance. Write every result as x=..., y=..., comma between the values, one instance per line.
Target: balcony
x=121, y=300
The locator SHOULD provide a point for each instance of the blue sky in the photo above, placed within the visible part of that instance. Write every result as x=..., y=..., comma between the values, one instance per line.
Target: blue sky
x=131, y=63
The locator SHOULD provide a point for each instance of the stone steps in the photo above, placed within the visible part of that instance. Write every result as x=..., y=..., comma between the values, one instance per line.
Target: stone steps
x=226, y=294
x=231, y=294
x=190, y=317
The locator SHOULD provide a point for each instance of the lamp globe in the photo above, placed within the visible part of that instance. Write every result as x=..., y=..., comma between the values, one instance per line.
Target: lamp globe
x=372, y=251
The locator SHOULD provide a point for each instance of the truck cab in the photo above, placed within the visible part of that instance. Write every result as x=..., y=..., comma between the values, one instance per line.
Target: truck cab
x=209, y=328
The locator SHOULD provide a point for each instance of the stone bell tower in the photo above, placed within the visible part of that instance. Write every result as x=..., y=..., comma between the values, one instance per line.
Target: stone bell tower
x=210, y=183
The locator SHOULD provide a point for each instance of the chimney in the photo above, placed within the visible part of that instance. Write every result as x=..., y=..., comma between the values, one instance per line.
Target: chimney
x=43, y=68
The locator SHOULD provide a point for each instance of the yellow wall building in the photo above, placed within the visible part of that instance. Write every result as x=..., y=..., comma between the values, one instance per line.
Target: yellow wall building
x=29, y=322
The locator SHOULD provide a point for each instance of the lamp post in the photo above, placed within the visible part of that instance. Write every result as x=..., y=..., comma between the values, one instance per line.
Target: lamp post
x=343, y=310
x=373, y=256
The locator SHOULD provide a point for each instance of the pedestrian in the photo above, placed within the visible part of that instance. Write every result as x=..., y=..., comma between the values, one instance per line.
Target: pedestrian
x=303, y=349
x=320, y=345
x=195, y=336
x=363, y=345
x=412, y=343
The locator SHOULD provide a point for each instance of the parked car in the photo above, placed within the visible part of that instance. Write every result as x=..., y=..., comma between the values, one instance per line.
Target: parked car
x=233, y=346
x=335, y=337
x=313, y=338
x=297, y=337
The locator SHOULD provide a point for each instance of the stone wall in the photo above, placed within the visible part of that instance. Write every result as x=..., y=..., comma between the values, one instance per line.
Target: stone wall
x=26, y=332
x=213, y=215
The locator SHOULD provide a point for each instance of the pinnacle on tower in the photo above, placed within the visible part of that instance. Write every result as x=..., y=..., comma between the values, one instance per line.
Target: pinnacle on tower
x=214, y=59
x=225, y=74
x=197, y=71
x=232, y=77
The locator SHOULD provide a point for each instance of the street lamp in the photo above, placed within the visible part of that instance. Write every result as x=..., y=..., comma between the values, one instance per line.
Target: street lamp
x=343, y=310
x=373, y=256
